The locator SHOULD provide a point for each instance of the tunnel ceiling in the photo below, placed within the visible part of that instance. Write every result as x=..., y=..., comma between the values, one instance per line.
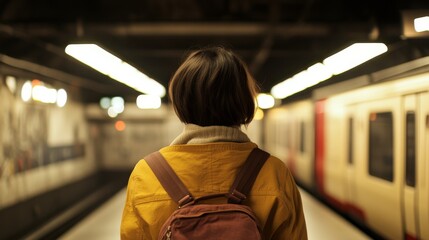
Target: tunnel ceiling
x=276, y=38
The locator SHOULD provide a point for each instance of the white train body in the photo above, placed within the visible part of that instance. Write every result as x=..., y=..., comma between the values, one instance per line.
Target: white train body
x=293, y=136
x=366, y=151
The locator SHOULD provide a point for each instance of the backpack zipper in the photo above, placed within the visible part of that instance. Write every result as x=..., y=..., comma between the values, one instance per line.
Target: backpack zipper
x=245, y=211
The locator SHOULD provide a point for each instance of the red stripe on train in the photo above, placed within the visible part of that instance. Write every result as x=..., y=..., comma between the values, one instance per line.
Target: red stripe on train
x=410, y=237
x=320, y=147
x=345, y=207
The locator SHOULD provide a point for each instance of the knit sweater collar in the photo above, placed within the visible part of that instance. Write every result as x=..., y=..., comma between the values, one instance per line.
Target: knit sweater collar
x=194, y=134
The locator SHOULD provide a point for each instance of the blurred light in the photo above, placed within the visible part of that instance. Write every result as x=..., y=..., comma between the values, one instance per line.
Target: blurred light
x=353, y=56
x=11, y=83
x=120, y=125
x=40, y=92
x=421, y=24
x=280, y=90
x=118, y=108
x=43, y=94
x=118, y=104
x=148, y=102
x=114, y=106
x=290, y=86
x=117, y=101
x=61, y=97
x=259, y=114
x=26, y=91
x=300, y=81
x=111, y=112
x=36, y=82
x=318, y=73
x=265, y=101
x=108, y=64
x=105, y=103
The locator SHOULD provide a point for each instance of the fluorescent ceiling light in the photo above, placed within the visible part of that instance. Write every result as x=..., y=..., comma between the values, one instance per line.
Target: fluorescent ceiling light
x=353, y=56
x=300, y=81
x=340, y=62
x=318, y=73
x=421, y=24
x=112, y=66
x=287, y=88
x=281, y=90
x=290, y=86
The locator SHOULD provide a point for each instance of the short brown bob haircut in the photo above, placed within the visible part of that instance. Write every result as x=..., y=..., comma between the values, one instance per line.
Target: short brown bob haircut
x=213, y=87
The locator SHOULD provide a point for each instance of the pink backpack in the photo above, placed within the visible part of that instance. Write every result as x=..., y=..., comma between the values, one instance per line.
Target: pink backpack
x=193, y=221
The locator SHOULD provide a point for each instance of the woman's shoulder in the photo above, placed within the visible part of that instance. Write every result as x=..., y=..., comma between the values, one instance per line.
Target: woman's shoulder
x=275, y=170
x=141, y=169
x=277, y=164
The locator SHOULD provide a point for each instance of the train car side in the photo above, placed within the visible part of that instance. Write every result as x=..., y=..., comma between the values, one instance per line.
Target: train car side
x=374, y=153
x=289, y=136
x=370, y=153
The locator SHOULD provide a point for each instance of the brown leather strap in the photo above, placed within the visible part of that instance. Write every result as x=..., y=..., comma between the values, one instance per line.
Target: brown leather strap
x=168, y=179
x=247, y=175
x=180, y=194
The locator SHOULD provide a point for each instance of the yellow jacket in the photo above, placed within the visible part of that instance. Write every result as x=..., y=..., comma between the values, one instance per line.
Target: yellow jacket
x=207, y=169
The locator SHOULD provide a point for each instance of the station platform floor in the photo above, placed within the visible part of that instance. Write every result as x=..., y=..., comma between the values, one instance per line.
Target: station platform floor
x=322, y=222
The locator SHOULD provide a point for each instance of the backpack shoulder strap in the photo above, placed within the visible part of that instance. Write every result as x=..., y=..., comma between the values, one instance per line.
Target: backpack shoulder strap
x=180, y=194
x=168, y=179
x=247, y=175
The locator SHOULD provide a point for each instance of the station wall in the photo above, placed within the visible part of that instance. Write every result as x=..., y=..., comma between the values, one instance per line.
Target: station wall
x=42, y=146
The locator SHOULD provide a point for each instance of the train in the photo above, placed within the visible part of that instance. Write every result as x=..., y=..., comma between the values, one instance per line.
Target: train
x=362, y=146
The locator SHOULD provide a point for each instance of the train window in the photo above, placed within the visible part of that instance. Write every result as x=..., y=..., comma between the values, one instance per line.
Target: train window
x=350, y=141
x=410, y=149
x=302, y=137
x=381, y=145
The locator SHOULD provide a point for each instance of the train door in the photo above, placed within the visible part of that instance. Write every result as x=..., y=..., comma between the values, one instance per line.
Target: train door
x=379, y=182
x=352, y=128
x=422, y=166
x=410, y=115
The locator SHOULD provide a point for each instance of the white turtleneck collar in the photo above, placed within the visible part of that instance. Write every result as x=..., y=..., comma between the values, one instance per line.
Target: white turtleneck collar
x=194, y=134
